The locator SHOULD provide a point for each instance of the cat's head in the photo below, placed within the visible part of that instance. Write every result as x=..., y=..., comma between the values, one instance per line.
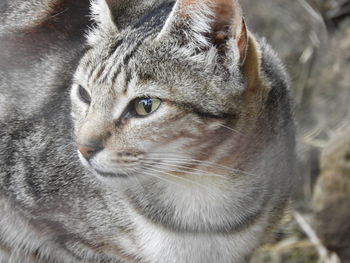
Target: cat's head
x=168, y=95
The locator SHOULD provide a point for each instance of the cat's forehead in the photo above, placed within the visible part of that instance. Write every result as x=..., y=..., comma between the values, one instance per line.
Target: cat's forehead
x=126, y=67
x=104, y=61
x=120, y=46
x=144, y=63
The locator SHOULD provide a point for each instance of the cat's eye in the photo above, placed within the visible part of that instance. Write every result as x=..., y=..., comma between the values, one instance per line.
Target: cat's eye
x=84, y=95
x=146, y=106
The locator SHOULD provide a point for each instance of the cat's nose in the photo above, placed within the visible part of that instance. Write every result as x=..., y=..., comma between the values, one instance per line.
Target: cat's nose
x=87, y=152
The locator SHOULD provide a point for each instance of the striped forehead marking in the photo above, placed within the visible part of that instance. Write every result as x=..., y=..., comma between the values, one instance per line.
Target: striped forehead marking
x=108, y=68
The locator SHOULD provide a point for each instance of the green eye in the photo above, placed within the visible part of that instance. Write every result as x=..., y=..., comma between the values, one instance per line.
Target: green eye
x=146, y=106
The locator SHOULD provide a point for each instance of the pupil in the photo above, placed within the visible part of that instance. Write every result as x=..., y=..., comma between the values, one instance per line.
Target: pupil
x=147, y=105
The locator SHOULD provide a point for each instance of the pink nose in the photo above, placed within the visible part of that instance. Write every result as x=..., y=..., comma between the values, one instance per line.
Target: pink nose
x=87, y=151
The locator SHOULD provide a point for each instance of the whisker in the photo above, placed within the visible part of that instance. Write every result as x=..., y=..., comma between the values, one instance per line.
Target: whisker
x=231, y=129
x=181, y=155
x=186, y=168
x=178, y=177
x=181, y=161
x=161, y=179
x=57, y=14
x=198, y=174
x=137, y=179
x=194, y=161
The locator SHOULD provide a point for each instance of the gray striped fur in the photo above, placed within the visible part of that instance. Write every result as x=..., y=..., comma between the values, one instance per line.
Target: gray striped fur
x=141, y=198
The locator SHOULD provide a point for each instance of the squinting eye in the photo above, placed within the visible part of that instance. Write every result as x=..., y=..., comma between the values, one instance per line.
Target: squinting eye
x=84, y=95
x=146, y=106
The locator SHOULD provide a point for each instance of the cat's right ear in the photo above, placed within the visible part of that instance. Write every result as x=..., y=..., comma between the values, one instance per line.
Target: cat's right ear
x=102, y=12
x=202, y=24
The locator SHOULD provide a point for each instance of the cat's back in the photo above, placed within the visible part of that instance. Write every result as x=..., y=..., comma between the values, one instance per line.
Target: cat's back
x=41, y=43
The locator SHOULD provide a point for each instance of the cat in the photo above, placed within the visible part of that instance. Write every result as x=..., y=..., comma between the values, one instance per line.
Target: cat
x=174, y=143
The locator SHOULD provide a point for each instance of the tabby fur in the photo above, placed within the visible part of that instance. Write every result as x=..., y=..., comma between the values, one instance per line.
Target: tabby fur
x=205, y=178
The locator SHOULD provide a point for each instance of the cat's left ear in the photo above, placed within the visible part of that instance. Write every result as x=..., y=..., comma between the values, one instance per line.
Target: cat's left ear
x=102, y=12
x=209, y=22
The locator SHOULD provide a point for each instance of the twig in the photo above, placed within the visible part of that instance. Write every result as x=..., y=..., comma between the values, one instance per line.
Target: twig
x=325, y=255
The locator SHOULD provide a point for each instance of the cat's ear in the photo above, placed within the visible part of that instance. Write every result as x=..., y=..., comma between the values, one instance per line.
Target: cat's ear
x=208, y=23
x=102, y=12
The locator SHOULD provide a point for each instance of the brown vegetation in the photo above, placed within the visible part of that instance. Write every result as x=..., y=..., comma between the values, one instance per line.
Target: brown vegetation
x=313, y=39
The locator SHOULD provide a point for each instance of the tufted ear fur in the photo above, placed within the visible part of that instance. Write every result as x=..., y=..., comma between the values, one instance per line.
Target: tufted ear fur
x=102, y=13
x=207, y=23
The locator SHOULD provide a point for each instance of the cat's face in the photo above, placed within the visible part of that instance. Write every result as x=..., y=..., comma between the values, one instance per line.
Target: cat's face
x=153, y=101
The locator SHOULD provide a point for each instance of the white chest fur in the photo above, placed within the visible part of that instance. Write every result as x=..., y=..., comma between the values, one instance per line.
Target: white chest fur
x=158, y=245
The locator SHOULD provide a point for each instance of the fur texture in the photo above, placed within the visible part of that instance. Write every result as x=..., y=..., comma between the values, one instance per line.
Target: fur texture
x=204, y=178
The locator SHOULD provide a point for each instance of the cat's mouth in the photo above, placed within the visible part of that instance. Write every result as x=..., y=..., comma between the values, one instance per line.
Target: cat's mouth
x=107, y=169
x=111, y=174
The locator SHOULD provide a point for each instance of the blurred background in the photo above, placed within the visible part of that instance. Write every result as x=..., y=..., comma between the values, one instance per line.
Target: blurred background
x=313, y=39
